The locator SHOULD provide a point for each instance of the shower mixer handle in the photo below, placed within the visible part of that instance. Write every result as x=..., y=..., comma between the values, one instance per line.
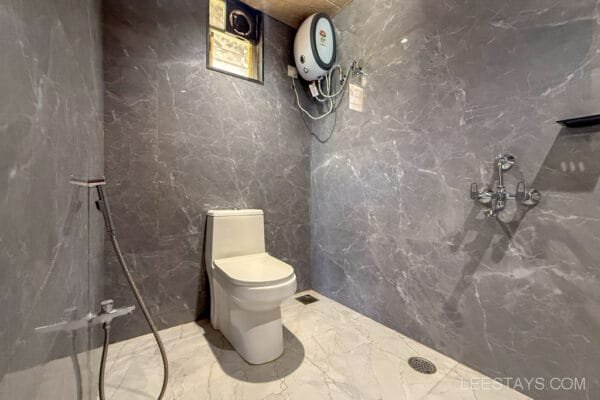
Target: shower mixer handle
x=108, y=312
x=485, y=196
x=107, y=306
x=527, y=196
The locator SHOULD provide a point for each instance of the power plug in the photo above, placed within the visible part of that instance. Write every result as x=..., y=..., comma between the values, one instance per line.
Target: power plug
x=292, y=72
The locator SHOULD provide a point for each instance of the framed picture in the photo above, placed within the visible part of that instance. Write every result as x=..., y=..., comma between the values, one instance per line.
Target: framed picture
x=235, y=40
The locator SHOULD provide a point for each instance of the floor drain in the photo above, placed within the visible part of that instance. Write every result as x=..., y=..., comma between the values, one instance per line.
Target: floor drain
x=422, y=365
x=307, y=299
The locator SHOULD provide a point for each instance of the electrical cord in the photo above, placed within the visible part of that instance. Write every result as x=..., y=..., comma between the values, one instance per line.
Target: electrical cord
x=327, y=96
x=333, y=100
x=305, y=111
x=314, y=134
x=345, y=79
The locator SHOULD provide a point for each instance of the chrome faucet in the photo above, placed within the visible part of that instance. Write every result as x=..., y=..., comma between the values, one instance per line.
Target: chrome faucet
x=495, y=201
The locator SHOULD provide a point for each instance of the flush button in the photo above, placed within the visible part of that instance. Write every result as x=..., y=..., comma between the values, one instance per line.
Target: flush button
x=305, y=70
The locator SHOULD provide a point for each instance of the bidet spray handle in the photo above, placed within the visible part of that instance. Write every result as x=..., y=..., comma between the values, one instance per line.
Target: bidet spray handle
x=104, y=208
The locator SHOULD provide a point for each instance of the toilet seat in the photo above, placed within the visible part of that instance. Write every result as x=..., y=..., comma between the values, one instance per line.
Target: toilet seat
x=254, y=270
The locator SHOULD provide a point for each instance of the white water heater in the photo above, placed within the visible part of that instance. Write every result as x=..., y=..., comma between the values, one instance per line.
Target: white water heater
x=315, y=47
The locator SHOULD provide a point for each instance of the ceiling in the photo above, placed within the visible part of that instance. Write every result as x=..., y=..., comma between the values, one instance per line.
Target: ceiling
x=293, y=12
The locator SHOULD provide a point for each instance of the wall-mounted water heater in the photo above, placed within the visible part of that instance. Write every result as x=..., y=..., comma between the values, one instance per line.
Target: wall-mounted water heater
x=314, y=55
x=315, y=47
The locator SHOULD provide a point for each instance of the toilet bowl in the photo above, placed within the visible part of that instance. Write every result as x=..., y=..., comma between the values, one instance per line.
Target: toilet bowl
x=247, y=285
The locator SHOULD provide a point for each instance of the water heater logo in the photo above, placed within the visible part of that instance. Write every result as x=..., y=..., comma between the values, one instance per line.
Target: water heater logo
x=323, y=37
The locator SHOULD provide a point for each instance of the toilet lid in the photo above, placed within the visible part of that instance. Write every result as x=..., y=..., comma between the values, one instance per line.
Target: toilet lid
x=254, y=269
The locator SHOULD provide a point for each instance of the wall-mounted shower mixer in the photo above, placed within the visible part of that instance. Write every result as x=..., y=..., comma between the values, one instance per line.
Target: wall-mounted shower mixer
x=495, y=201
x=69, y=323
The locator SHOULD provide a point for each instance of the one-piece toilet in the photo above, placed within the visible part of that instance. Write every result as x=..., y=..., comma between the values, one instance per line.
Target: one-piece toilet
x=247, y=285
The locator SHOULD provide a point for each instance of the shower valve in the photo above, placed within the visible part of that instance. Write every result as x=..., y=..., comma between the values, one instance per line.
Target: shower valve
x=108, y=312
x=495, y=201
x=71, y=323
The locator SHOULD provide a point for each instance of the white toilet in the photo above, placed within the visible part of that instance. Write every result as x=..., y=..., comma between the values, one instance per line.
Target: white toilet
x=247, y=285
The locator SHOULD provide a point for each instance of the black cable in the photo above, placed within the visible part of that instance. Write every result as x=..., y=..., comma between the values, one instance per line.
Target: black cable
x=317, y=136
x=334, y=112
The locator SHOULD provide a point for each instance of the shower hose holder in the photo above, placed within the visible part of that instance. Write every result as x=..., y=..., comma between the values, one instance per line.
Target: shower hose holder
x=495, y=201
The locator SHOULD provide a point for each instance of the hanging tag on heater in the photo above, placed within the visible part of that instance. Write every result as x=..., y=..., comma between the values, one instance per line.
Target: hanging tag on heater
x=357, y=96
x=313, y=89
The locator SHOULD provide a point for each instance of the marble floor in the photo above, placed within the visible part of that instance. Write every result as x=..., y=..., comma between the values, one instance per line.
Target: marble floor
x=331, y=352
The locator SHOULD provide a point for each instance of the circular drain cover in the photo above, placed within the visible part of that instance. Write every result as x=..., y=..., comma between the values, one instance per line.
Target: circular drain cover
x=422, y=365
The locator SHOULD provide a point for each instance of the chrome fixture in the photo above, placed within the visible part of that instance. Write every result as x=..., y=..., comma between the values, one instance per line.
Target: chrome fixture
x=495, y=201
x=69, y=323
x=108, y=312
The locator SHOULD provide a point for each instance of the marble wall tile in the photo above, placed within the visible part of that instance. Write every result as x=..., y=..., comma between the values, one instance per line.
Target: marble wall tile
x=394, y=234
x=51, y=246
x=181, y=140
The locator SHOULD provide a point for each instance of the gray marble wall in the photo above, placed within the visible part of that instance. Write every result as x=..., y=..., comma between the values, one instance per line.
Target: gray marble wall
x=450, y=85
x=50, y=249
x=181, y=140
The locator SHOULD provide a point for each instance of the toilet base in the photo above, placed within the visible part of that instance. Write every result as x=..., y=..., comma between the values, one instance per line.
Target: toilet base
x=254, y=330
x=256, y=336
